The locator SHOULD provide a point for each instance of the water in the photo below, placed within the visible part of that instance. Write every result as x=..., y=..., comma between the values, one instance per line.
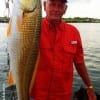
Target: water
x=3, y=53
x=3, y=57
x=90, y=33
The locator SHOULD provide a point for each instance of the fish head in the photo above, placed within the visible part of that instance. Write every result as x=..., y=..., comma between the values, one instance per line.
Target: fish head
x=28, y=5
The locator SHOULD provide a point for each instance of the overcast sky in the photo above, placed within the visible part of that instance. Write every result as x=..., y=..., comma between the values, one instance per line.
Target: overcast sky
x=76, y=8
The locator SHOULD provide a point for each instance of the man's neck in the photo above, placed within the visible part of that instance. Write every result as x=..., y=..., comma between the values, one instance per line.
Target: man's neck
x=54, y=22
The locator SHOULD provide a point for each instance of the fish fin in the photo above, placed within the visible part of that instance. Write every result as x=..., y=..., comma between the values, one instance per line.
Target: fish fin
x=9, y=28
x=34, y=73
x=10, y=78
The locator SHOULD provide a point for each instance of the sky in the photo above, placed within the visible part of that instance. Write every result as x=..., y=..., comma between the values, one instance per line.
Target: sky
x=76, y=8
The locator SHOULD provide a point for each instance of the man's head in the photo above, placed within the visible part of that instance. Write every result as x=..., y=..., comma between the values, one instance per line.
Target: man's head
x=65, y=1
x=55, y=9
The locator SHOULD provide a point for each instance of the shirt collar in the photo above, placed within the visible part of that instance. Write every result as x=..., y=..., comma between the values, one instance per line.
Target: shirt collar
x=60, y=26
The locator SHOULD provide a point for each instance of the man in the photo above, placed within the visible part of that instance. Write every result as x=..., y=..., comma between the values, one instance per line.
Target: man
x=60, y=47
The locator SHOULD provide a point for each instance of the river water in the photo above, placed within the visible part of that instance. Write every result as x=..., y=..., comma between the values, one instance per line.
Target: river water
x=90, y=33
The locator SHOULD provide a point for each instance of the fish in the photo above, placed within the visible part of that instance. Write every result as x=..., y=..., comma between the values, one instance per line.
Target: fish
x=23, y=43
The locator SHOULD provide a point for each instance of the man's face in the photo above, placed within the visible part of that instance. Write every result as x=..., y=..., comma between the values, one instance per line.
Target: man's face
x=54, y=9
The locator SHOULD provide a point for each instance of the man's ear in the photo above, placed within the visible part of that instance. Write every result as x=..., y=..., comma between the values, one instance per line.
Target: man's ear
x=44, y=3
x=66, y=6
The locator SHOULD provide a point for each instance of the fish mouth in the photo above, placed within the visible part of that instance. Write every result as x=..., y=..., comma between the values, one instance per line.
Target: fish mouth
x=28, y=5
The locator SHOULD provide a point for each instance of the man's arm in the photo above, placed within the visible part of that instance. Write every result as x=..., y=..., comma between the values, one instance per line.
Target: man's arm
x=82, y=71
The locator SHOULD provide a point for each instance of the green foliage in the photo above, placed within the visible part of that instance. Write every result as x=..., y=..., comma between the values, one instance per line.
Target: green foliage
x=70, y=20
x=82, y=20
x=4, y=19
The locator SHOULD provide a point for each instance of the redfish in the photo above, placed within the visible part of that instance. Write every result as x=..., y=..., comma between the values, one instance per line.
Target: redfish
x=23, y=43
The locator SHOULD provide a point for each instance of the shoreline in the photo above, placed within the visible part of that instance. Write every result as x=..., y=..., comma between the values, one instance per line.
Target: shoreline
x=65, y=21
x=68, y=20
x=4, y=21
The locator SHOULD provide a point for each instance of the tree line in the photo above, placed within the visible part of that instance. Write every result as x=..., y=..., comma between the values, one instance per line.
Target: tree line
x=82, y=20
x=70, y=20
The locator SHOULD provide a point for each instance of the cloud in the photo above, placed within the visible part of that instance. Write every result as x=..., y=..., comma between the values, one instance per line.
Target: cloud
x=83, y=8
x=76, y=8
x=79, y=1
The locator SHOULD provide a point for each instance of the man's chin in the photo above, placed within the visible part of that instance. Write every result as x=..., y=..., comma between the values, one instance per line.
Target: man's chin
x=55, y=18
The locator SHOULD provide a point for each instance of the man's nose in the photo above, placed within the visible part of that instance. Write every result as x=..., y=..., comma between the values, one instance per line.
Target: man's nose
x=56, y=7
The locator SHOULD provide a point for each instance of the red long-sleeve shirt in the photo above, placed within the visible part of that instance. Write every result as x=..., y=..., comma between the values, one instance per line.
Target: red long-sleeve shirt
x=60, y=47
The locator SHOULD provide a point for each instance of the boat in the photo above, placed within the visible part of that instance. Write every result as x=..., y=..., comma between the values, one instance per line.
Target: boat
x=80, y=94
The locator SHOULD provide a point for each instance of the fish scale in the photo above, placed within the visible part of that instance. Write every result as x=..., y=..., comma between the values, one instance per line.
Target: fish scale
x=33, y=52
x=24, y=50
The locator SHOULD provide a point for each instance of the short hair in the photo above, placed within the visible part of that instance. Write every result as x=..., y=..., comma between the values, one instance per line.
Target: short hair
x=60, y=0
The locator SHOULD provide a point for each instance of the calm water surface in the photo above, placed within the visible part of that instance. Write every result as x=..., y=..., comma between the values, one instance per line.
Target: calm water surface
x=90, y=33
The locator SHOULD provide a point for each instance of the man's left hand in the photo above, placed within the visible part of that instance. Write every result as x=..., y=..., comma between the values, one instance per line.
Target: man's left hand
x=91, y=94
